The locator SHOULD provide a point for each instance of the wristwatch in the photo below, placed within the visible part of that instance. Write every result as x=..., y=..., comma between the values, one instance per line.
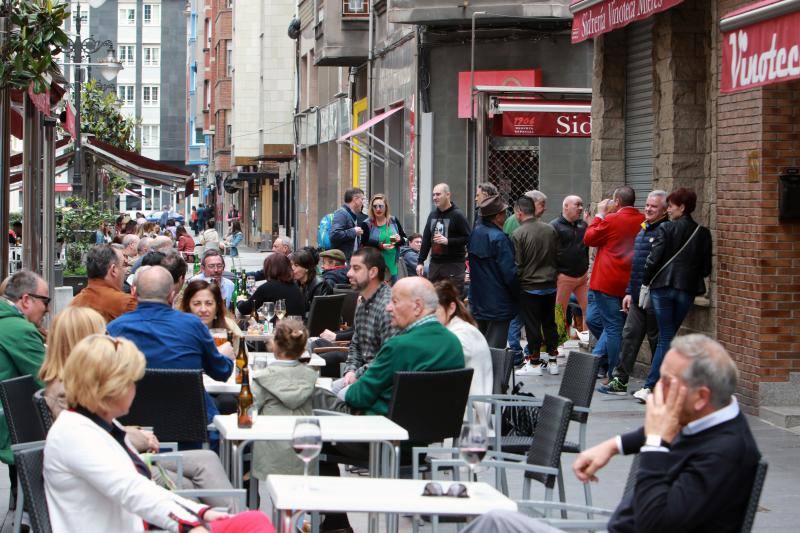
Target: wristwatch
x=656, y=441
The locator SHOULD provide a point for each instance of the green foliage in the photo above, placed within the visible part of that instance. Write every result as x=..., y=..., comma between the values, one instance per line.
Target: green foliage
x=35, y=38
x=100, y=115
x=116, y=182
x=76, y=224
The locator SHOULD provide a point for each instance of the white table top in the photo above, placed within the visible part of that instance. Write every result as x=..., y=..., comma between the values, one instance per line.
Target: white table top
x=374, y=495
x=334, y=428
x=231, y=387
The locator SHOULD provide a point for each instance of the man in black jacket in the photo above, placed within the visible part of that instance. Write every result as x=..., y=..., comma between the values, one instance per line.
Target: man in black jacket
x=639, y=322
x=573, y=255
x=445, y=238
x=697, y=456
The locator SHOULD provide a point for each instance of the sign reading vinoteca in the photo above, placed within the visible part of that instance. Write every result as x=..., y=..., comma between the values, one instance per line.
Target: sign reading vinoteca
x=760, y=54
x=595, y=18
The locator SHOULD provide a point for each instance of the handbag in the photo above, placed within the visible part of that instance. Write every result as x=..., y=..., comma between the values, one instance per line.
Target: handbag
x=644, y=291
x=521, y=420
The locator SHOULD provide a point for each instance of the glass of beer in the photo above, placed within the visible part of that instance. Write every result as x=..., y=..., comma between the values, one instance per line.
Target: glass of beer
x=220, y=336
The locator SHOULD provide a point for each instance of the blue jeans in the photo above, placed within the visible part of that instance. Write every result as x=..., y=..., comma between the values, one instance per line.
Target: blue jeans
x=514, y=334
x=595, y=326
x=612, y=319
x=670, y=306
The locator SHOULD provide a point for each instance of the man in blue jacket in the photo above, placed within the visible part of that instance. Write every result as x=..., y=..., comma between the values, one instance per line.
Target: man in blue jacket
x=639, y=322
x=494, y=286
x=345, y=230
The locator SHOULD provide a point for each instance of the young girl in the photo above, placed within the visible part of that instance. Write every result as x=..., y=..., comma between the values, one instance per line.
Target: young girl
x=283, y=388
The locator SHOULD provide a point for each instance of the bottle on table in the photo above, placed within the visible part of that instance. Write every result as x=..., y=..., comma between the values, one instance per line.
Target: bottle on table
x=241, y=363
x=245, y=408
x=196, y=268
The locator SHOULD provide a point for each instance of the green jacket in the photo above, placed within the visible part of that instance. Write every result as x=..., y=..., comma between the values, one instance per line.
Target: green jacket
x=21, y=353
x=284, y=388
x=535, y=250
x=424, y=347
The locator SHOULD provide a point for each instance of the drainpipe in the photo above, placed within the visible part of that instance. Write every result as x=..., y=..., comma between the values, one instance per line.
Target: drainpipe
x=370, y=58
x=472, y=118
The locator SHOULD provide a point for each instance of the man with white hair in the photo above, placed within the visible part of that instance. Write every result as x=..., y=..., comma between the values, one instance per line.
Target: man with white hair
x=167, y=337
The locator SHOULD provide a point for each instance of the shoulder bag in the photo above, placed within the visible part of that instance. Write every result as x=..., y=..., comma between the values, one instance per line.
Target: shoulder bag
x=644, y=291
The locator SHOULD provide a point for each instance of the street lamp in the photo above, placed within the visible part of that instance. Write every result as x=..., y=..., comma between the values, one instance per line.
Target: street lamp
x=109, y=68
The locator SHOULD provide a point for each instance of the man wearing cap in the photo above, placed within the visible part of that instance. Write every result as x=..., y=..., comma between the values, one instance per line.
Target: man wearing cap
x=333, y=268
x=494, y=288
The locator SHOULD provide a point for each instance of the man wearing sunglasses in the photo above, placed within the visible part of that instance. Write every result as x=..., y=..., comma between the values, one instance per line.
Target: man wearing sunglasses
x=22, y=308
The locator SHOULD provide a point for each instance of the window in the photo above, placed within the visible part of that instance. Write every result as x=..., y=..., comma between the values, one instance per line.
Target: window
x=132, y=201
x=152, y=14
x=228, y=134
x=150, y=95
x=208, y=33
x=199, y=138
x=150, y=135
x=229, y=61
x=127, y=16
x=207, y=91
x=127, y=54
x=152, y=56
x=125, y=93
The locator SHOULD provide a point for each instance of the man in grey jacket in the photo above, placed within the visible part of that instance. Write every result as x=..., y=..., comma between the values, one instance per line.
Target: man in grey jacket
x=535, y=250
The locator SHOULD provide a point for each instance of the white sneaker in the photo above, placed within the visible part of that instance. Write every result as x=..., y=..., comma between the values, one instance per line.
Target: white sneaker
x=552, y=367
x=529, y=370
x=642, y=394
x=583, y=336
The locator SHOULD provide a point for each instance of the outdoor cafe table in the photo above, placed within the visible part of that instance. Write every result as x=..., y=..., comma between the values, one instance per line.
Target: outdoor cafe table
x=372, y=495
x=374, y=430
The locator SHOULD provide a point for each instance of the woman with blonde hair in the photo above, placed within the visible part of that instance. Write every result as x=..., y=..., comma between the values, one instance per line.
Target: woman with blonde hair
x=384, y=232
x=89, y=465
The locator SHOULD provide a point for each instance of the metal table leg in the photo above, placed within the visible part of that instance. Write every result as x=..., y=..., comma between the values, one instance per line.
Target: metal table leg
x=374, y=471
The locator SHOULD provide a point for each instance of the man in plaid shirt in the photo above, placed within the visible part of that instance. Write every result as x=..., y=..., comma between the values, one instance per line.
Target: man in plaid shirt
x=372, y=323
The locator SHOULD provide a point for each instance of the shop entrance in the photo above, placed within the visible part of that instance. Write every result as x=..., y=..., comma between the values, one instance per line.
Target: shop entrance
x=513, y=166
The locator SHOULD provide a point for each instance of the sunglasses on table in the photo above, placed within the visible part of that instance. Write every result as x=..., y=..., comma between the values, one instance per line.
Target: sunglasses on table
x=456, y=490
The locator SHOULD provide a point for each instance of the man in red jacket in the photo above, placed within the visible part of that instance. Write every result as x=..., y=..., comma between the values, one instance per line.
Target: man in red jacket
x=612, y=233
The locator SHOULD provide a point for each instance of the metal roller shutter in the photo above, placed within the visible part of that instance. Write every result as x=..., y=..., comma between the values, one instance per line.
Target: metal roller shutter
x=639, y=120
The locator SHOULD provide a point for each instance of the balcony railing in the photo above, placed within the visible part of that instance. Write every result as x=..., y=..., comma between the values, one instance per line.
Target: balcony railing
x=355, y=9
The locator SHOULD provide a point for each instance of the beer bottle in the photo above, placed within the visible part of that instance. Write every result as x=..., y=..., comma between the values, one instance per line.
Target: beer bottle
x=245, y=403
x=196, y=266
x=241, y=362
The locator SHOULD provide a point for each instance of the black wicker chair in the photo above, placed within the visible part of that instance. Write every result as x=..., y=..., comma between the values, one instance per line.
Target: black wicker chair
x=172, y=402
x=30, y=467
x=325, y=313
x=755, y=496
x=502, y=369
x=43, y=410
x=348, y=305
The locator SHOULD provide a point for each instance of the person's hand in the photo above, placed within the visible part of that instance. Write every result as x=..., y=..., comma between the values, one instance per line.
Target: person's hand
x=359, y=231
x=662, y=414
x=420, y=270
x=213, y=516
x=152, y=441
x=328, y=335
x=350, y=378
x=591, y=460
x=440, y=239
x=603, y=207
x=227, y=350
x=395, y=238
x=626, y=303
x=587, y=216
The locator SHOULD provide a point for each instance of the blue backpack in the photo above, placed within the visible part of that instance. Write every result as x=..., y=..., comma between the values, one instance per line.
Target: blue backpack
x=324, y=232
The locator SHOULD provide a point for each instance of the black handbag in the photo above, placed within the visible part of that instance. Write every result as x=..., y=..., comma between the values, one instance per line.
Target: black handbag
x=519, y=421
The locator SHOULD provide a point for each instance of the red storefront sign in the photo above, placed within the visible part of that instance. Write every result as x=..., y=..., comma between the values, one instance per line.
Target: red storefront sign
x=504, y=78
x=545, y=124
x=592, y=18
x=762, y=53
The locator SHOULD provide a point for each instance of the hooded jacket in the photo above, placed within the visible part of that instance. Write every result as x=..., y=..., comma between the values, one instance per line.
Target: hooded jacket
x=613, y=237
x=21, y=354
x=282, y=389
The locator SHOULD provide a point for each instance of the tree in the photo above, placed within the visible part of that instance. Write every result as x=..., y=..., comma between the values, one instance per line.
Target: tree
x=101, y=116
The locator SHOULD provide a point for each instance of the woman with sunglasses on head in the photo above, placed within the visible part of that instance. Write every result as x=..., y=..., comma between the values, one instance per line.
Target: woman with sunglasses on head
x=93, y=478
x=384, y=232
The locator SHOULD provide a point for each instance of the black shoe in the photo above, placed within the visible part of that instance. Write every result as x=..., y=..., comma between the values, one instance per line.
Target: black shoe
x=602, y=371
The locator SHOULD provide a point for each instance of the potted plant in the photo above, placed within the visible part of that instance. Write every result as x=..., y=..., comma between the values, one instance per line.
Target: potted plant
x=76, y=224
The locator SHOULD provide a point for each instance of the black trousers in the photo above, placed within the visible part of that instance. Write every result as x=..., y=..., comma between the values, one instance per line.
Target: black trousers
x=639, y=323
x=455, y=272
x=495, y=332
x=538, y=313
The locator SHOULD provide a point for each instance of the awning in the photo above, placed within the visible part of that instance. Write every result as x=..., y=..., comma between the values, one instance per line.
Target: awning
x=591, y=18
x=533, y=117
x=61, y=161
x=139, y=165
x=362, y=150
x=63, y=187
x=760, y=45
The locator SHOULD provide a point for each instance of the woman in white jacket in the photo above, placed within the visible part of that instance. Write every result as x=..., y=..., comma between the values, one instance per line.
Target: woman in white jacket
x=453, y=313
x=94, y=479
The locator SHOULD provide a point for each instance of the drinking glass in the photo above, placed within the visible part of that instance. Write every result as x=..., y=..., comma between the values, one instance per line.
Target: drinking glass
x=280, y=309
x=307, y=443
x=472, y=445
x=268, y=310
x=220, y=336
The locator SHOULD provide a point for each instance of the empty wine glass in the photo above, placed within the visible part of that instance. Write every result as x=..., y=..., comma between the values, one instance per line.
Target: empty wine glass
x=307, y=443
x=280, y=309
x=268, y=310
x=472, y=445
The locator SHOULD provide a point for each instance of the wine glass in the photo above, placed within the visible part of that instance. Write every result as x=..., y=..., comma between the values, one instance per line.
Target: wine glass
x=472, y=445
x=250, y=285
x=268, y=310
x=280, y=309
x=307, y=443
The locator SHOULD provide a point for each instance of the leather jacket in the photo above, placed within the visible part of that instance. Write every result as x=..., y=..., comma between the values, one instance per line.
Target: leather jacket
x=317, y=287
x=689, y=269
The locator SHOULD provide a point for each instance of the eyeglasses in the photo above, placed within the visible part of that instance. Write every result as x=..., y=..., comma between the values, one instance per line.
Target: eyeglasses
x=44, y=299
x=378, y=206
x=456, y=490
x=215, y=267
